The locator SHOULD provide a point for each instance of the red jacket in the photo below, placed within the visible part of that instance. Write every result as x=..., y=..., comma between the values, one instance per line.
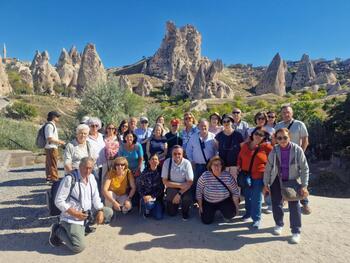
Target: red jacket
x=260, y=160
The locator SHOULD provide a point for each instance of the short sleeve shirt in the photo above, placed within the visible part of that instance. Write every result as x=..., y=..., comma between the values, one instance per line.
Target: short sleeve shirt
x=229, y=147
x=132, y=156
x=179, y=173
x=51, y=131
x=297, y=131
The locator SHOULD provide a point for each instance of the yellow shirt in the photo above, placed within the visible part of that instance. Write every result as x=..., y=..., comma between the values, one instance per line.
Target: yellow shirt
x=119, y=184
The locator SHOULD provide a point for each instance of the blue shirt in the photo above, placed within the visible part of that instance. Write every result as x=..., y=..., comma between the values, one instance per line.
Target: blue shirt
x=185, y=136
x=143, y=134
x=194, y=151
x=132, y=156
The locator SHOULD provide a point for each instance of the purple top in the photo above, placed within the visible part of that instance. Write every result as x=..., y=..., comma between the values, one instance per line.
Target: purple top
x=285, y=152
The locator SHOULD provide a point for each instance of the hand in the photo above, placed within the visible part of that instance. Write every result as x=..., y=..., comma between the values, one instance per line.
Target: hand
x=99, y=217
x=266, y=190
x=61, y=142
x=176, y=199
x=137, y=173
x=200, y=209
x=80, y=215
x=147, y=198
x=304, y=192
x=116, y=206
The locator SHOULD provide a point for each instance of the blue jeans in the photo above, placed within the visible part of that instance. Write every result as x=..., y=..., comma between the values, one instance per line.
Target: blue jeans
x=154, y=208
x=253, y=199
x=198, y=171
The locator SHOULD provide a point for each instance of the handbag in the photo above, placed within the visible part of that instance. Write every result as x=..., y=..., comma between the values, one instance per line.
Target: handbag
x=290, y=190
x=244, y=178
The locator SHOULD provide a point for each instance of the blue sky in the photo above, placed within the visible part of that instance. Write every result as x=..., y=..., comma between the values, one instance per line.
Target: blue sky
x=241, y=31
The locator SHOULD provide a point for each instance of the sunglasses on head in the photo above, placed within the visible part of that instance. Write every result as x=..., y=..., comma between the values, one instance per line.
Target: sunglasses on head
x=260, y=134
x=280, y=138
x=119, y=164
x=236, y=112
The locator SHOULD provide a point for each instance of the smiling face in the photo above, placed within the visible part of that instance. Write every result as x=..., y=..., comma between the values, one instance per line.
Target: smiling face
x=237, y=114
x=282, y=138
x=227, y=123
x=93, y=128
x=271, y=118
x=124, y=127
x=258, y=136
x=214, y=120
x=111, y=130
x=157, y=131
x=216, y=167
x=154, y=162
x=287, y=114
x=203, y=128
x=188, y=120
x=129, y=139
x=177, y=155
x=82, y=136
x=160, y=120
x=260, y=121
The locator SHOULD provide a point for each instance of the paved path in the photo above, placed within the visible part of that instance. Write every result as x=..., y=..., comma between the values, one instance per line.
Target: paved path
x=24, y=230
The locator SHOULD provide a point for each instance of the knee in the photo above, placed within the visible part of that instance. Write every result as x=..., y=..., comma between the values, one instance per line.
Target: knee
x=108, y=214
x=78, y=248
x=206, y=220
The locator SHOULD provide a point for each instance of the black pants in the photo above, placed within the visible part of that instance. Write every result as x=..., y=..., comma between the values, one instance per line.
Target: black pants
x=186, y=201
x=226, y=207
x=277, y=208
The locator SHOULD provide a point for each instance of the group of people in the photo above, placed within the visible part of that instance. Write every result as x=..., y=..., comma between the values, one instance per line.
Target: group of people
x=210, y=165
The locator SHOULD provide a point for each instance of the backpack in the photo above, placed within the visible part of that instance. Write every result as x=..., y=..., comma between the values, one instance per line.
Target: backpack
x=51, y=194
x=40, y=141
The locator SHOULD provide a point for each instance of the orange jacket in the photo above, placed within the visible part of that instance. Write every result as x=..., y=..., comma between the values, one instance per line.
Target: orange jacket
x=260, y=160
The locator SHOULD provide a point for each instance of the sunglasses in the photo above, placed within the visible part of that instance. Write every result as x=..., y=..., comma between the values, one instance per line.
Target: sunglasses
x=226, y=121
x=119, y=164
x=271, y=117
x=94, y=125
x=259, y=134
x=144, y=122
x=261, y=118
x=280, y=138
x=188, y=118
x=236, y=112
x=125, y=126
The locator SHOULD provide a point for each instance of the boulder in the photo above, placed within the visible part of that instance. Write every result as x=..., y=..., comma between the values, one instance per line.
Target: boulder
x=125, y=83
x=66, y=69
x=273, y=79
x=143, y=88
x=5, y=86
x=45, y=76
x=305, y=75
x=91, y=71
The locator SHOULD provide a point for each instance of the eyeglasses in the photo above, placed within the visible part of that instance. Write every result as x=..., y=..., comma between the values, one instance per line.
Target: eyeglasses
x=125, y=126
x=144, y=122
x=261, y=118
x=110, y=128
x=259, y=134
x=236, y=112
x=188, y=118
x=226, y=121
x=94, y=125
x=271, y=117
x=280, y=138
x=119, y=164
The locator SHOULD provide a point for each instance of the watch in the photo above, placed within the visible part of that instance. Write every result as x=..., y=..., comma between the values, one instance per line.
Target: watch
x=179, y=193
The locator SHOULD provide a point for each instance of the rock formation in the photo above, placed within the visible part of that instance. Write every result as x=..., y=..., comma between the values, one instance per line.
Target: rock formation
x=274, y=78
x=143, y=88
x=75, y=56
x=91, y=72
x=5, y=86
x=45, y=76
x=125, y=83
x=326, y=77
x=305, y=74
x=23, y=71
x=66, y=69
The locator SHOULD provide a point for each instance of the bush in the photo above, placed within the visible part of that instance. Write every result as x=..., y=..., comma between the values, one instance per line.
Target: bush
x=21, y=110
x=18, y=86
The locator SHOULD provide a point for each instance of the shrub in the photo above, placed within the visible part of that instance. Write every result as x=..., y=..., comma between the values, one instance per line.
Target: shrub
x=18, y=86
x=21, y=110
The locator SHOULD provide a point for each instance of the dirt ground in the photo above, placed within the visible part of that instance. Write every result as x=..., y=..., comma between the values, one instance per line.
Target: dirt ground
x=24, y=232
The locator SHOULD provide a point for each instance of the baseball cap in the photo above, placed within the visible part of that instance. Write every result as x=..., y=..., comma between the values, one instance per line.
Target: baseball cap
x=175, y=122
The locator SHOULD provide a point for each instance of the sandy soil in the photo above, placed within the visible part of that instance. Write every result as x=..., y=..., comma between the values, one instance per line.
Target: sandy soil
x=24, y=231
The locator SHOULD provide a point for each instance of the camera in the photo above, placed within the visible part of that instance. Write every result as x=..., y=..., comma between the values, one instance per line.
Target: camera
x=88, y=222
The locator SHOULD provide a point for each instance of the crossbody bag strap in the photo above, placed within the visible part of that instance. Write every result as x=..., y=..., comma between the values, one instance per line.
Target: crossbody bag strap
x=290, y=124
x=202, y=148
x=221, y=182
x=252, y=160
x=169, y=168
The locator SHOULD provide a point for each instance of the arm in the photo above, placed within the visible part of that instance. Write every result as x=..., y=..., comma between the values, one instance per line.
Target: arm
x=304, y=169
x=49, y=133
x=132, y=185
x=189, y=149
x=140, y=160
x=171, y=184
x=68, y=158
x=106, y=193
x=268, y=168
x=304, y=142
x=148, y=149
x=164, y=154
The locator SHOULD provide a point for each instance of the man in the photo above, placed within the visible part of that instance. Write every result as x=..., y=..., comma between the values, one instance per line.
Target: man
x=143, y=134
x=200, y=149
x=239, y=125
x=178, y=181
x=299, y=135
x=75, y=205
x=132, y=124
x=173, y=136
x=51, y=147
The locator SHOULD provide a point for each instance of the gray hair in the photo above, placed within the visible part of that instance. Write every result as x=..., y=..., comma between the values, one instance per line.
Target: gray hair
x=95, y=120
x=85, y=160
x=203, y=120
x=82, y=127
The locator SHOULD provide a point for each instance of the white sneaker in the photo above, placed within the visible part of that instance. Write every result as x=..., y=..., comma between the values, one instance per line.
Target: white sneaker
x=295, y=239
x=268, y=209
x=277, y=230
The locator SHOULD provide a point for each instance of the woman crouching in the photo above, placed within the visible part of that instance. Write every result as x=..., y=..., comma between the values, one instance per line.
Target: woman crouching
x=217, y=190
x=286, y=166
x=119, y=186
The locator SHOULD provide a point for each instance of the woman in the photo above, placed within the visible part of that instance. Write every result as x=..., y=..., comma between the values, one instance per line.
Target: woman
x=217, y=190
x=251, y=161
x=77, y=149
x=150, y=187
x=271, y=119
x=228, y=144
x=260, y=120
x=189, y=129
x=160, y=120
x=214, y=120
x=112, y=147
x=119, y=186
x=157, y=144
x=286, y=163
x=133, y=152
x=123, y=127
x=98, y=146
x=173, y=137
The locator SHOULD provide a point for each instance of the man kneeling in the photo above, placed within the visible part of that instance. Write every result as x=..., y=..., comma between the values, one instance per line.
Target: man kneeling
x=76, y=207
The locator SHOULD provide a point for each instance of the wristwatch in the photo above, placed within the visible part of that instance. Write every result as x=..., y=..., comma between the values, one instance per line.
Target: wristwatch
x=179, y=193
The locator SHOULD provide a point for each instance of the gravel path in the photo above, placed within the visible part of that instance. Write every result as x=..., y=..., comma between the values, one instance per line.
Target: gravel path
x=24, y=230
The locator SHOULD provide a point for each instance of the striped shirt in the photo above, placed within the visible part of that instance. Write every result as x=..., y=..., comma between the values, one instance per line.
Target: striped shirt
x=209, y=188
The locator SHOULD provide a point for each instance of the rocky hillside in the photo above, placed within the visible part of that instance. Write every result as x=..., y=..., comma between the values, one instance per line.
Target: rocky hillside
x=177, y=69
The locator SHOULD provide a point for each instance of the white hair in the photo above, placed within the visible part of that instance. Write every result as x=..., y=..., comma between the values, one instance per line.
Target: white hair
x=96, y=121
x=82, y=127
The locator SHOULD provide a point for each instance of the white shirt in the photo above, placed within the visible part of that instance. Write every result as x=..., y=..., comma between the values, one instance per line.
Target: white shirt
x=179, y=173
x=297, y=131
x=89, y=197
x=98, y=149
x=51, y=131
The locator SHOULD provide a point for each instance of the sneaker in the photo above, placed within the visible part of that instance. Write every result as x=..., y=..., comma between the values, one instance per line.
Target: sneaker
x=295, y=239
x=245, y=218
x=185, y=217
x=256, y=224
x=268, y=209
x=306, y=210
x=54, y=240
x=277, y=230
